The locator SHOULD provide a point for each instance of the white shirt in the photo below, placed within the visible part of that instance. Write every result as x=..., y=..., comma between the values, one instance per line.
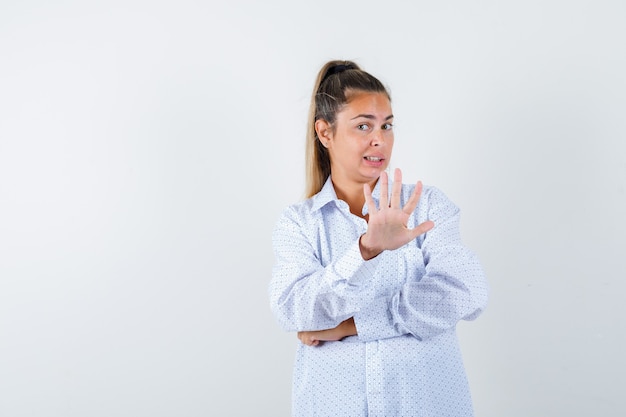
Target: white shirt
x=406, y=303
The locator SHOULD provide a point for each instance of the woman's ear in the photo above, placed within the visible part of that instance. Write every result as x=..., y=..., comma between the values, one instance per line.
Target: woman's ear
x=324, y=132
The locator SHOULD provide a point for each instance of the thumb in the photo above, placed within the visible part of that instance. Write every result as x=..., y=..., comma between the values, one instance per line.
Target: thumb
x=421, y=229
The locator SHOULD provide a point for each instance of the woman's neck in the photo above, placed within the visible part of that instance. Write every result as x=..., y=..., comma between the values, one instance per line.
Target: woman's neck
x=353, y=196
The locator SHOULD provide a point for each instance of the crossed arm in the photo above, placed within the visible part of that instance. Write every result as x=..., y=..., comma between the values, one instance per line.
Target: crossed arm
x=313, y=338
x=386, y=230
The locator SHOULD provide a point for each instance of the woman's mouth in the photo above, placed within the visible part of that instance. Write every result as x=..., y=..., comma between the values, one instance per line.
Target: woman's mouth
x=374, y=161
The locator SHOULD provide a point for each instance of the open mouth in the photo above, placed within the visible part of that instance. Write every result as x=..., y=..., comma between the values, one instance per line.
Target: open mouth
x=373, y=158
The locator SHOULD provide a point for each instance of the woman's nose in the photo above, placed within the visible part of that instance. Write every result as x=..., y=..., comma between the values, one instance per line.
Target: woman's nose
x=377, y=137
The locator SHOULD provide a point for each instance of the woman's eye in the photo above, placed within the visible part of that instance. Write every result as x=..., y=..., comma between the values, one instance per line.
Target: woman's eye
x=387, y=126
x=363, y=127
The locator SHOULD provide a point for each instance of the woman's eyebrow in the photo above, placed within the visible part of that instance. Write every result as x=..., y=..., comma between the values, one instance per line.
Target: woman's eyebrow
x=371, y=116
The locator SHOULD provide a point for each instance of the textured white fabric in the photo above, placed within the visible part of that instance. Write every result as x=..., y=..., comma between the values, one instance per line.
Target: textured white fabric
x=406, y=303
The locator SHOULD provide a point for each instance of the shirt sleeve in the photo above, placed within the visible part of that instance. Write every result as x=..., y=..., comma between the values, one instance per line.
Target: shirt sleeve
x=452, y=288
x=304, y=294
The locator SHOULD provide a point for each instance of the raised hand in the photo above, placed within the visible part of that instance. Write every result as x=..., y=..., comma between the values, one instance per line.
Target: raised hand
x=387, y=225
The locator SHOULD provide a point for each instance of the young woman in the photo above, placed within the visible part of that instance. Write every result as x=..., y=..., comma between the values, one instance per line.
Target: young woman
x=371, y=273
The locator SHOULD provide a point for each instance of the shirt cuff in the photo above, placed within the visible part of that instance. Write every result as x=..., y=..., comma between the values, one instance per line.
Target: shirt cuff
x=352, y=269
x=375, y=322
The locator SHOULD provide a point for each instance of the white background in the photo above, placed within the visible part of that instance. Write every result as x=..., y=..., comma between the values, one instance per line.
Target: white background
x=147, y=148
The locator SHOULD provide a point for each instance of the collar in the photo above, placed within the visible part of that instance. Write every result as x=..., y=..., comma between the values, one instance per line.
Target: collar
x=325, y=195
x=328, y=194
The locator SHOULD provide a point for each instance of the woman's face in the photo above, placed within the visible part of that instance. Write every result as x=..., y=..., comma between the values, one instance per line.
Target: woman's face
x=361, y=142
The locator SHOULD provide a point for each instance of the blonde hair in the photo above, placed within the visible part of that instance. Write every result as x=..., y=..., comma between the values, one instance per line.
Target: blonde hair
x=334, y=84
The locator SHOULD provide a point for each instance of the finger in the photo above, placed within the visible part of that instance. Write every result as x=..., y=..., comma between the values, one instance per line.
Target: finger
x=384, y=190
x=307, y=340
x=367, y=192
x=311, y=340
x=396, y=190
x=421, y=229
x=410, y=205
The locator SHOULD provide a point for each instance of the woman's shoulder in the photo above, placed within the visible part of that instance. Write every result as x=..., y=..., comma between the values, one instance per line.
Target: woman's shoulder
x=298, y=211
x=303, y=205
x=432, y=199
x=428, y=191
